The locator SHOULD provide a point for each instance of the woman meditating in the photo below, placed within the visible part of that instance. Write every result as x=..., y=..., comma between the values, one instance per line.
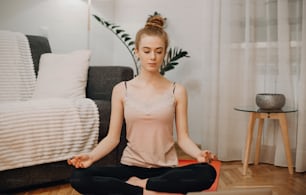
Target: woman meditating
x=150, y=105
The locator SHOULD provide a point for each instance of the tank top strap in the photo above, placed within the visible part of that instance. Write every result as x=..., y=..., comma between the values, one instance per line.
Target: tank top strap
x=125, y=85
x=173, y=85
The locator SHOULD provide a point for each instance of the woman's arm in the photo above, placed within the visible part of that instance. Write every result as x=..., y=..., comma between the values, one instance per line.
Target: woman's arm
x=112, y=139
x=181, y=119
x=107, y=144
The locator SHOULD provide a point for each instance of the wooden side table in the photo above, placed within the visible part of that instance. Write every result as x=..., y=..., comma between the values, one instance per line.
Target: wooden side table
x=261, y=115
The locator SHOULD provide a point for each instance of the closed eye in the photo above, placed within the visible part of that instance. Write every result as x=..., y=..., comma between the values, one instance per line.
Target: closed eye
x=157, y=50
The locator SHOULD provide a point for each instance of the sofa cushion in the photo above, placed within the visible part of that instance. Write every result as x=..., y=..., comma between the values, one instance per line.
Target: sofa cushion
x=39, y=45
x=104, y=108
x=62, y=75
x=102, y=79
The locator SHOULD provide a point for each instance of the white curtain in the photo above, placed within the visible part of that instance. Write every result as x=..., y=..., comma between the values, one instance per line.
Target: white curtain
x=257, y=46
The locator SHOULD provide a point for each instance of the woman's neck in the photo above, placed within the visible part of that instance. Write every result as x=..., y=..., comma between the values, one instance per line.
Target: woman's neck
x=149, y=77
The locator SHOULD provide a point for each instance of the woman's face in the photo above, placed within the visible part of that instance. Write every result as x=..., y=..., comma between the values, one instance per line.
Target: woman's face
x=151, y=52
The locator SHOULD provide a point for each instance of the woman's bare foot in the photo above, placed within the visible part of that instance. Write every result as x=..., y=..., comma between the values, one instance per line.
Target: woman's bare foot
x=137, y=182
x=142, y=183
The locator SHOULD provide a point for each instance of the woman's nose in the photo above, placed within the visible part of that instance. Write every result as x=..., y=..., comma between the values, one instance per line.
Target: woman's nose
x=152, y=55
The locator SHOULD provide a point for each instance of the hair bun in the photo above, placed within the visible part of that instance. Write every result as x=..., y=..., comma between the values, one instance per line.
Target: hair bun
x=155, y=21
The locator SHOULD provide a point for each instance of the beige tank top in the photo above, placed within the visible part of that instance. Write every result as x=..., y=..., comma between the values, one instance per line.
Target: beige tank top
x=149, y=131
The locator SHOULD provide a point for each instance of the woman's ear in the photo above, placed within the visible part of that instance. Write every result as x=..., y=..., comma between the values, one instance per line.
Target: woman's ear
x=136, y=53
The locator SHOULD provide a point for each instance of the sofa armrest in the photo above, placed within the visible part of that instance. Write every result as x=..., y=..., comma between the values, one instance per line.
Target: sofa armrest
x=102, y=79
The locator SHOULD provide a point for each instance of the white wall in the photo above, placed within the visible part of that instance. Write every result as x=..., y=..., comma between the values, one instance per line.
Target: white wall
x=101, y=39
x=65, y=23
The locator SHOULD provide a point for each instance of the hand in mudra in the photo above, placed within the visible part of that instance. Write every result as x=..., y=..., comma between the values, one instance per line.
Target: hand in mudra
x=206, y=156
x=80, y=161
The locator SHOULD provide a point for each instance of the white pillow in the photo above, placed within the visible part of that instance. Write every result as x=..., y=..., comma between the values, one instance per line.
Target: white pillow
x=62, y=75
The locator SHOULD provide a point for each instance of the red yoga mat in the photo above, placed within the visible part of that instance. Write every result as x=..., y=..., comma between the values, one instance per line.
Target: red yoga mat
x=216, y=164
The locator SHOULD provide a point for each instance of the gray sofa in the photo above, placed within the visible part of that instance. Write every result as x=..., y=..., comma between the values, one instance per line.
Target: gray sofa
x=101, y=80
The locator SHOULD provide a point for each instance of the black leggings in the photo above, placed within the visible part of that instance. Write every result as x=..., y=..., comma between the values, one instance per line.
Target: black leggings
x=109, y=180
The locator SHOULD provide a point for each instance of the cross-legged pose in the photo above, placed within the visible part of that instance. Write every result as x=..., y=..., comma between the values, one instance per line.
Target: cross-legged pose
x=150, y=104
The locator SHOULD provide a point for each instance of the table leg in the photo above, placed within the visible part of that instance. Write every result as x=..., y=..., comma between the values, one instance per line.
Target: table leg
x=284, y=130
x=258, y=141
x=248, y=143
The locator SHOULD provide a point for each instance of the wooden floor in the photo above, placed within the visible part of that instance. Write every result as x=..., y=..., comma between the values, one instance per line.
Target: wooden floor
x=260, y=176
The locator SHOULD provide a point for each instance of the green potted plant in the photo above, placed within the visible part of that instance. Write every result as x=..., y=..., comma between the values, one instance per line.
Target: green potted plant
x=171, y=58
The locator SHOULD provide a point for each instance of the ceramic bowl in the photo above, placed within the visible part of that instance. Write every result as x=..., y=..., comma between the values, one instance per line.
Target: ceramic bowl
x=270, y=101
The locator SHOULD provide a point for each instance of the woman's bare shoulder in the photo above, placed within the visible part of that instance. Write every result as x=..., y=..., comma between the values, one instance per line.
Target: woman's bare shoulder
x=119, y=89
x=180, y=89
x=119, y=85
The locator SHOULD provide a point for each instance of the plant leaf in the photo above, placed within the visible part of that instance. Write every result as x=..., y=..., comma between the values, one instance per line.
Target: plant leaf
x=125, y=35
x=119, y=31
x=97, y=18
x=126, y=38
x=167, y=68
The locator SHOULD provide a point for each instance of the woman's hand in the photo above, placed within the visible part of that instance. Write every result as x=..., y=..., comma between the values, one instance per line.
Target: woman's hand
x=80, y=161
x=206, y=156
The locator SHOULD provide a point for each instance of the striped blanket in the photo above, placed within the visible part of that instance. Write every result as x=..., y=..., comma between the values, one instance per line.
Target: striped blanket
x=48, y=130
x=17, y=76
x=42, y=130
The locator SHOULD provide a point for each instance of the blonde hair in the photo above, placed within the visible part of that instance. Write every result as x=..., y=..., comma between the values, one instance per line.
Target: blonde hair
x=154, y=27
